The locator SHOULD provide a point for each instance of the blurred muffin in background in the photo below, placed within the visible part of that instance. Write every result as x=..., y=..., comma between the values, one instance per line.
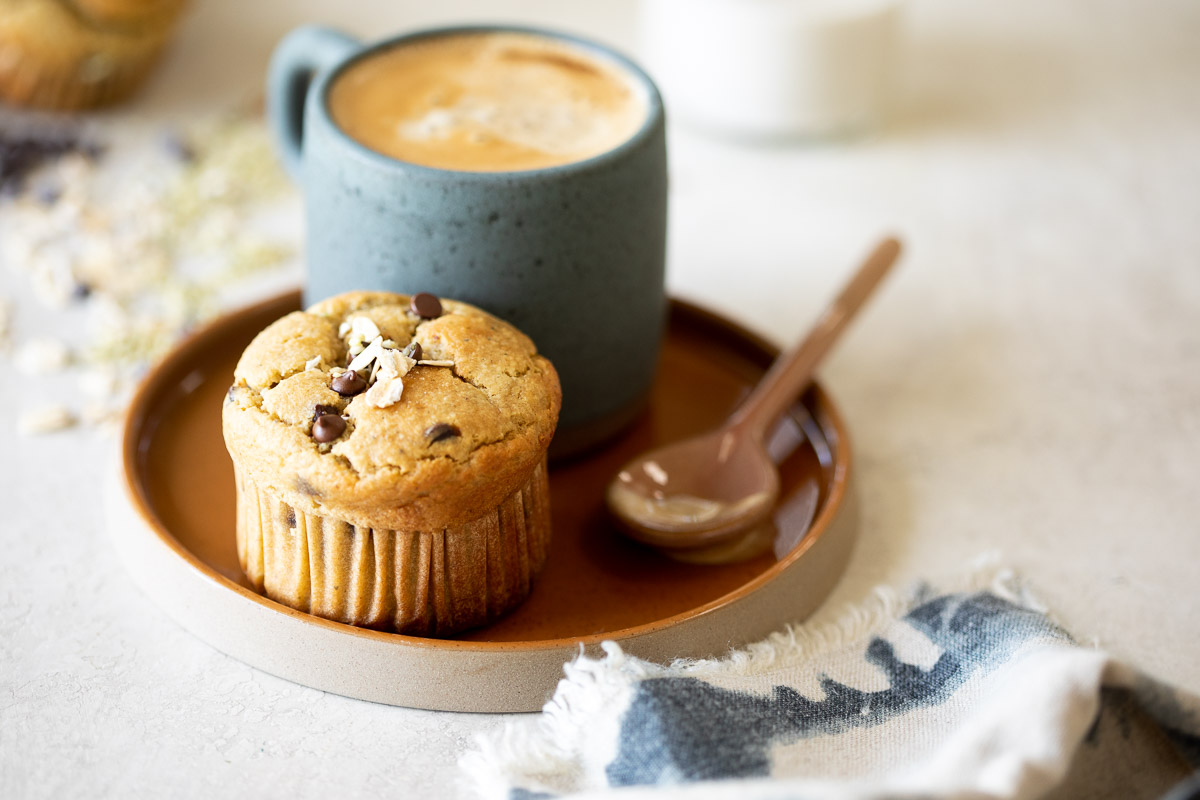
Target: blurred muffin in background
x=76, y=54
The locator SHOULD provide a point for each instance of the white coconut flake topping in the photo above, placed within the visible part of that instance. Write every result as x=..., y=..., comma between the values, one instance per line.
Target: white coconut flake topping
x=384, y=363
x=394, y=364
x=384, y=393
x=390, y=368
x=367, y=355
x=362, y=330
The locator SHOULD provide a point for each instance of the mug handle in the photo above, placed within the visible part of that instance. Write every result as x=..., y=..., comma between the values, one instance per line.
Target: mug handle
x=297, y=60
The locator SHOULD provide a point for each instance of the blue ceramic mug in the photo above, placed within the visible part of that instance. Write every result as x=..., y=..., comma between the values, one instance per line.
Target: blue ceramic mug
x=571, y=254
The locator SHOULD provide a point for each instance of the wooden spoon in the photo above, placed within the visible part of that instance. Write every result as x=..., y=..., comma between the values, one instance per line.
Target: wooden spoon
x=712, y=488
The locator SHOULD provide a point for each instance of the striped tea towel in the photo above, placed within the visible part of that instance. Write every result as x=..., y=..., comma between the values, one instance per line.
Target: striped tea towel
x=943, y=692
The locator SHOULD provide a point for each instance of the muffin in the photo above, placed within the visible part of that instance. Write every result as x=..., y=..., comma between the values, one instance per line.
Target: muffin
x=390, y=459
x=73, y=54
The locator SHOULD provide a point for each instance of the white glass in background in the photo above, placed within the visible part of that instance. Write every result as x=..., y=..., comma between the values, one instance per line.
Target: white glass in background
x=773, y=68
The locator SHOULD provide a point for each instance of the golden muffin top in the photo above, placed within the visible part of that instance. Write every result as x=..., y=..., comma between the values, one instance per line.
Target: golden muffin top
x=391, y=411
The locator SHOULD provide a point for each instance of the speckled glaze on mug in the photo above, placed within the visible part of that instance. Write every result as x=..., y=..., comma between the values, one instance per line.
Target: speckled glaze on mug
x=571, y=254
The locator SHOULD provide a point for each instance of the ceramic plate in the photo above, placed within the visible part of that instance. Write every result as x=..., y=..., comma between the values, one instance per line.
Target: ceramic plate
x=172, y=518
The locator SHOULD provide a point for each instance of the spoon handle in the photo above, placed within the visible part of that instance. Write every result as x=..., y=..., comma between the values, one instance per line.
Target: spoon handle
x=793, y=370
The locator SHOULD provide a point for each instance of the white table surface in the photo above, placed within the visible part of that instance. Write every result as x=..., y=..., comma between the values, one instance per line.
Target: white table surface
x=1029, y=382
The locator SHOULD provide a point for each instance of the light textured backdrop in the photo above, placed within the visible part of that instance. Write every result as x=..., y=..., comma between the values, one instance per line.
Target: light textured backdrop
x=1029, y=382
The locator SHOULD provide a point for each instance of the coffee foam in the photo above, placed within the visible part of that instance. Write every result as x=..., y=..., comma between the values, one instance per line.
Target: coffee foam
x=488, y=102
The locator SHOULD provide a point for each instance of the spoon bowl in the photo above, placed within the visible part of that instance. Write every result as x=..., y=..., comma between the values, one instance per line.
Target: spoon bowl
x=697, y=492
x=707, y=491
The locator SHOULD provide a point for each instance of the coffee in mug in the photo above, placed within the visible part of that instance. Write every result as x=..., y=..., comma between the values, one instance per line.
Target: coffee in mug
x=487, y=102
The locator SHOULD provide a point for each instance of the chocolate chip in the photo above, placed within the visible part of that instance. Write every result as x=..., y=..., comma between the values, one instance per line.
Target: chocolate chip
x=413, y=351
x=426, y=306
x=348, y=384
x=441, y=430
x=322, y=410
x=328, y=427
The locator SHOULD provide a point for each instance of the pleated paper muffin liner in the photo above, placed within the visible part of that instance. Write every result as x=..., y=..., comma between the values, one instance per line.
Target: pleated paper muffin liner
x=413, y=582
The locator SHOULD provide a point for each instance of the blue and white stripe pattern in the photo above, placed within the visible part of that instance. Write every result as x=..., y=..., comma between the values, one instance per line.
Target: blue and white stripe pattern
x=971, y=692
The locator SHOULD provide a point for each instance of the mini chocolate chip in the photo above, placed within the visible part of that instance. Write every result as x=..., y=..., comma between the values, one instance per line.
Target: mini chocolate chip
x=348, y=384
x=322, y=410
x=291, y=517
x=441, y=430
x=328, y=427
x=426, y=306
x=413, y=351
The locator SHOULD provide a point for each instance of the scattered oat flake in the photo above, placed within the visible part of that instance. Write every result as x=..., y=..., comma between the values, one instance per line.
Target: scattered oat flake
x=98, y=414
x=5, y=322
x=45, y=420
x=313, y=363
x=147, y=259
x=99, y=382
x=41, y=356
